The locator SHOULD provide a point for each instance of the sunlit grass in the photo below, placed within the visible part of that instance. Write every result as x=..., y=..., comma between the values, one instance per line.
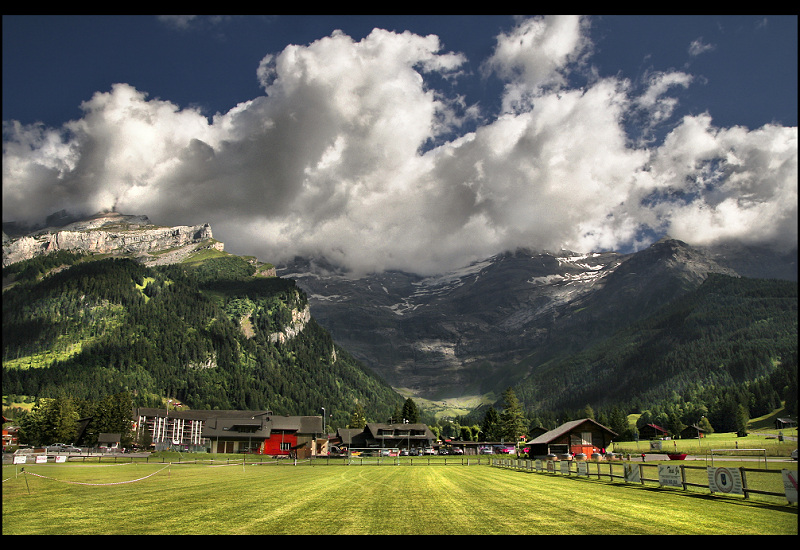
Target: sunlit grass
x=339, y=499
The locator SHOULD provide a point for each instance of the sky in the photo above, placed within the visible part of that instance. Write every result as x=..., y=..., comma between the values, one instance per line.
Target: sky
x=417, y=143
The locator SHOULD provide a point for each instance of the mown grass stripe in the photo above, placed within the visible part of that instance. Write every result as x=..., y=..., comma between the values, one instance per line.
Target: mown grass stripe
x=391, y=500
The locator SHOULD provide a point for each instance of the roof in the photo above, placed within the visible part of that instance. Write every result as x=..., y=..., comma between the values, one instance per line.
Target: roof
x=347, y=434
x=236, y=427
x=565, y=428
x=300, y=424
x=655, y=427
x=108, y=438
x=418, y=431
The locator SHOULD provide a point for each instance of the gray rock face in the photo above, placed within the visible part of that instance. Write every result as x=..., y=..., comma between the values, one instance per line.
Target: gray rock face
x=109, y=233
x=484, y=327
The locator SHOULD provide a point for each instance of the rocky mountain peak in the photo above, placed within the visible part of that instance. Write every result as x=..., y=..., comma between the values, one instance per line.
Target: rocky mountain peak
x=110, y=233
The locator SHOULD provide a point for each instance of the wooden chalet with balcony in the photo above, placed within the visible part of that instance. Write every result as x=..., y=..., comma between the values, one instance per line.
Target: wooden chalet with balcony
x=579, y=436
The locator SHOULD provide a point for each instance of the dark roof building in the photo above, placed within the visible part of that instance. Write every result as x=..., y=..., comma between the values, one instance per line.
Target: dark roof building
x=387, y=436
x=652, y=431
x=229, y=431
x=578, y=436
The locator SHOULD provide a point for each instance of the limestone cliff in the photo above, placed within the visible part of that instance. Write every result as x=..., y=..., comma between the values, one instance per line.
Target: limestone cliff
x=112, y=233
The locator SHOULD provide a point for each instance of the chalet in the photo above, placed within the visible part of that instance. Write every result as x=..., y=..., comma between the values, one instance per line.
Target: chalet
x=782, y=423
x=387, y=436
x=10, y=434
x=652, y=431
x=109, y=442
x=260, y=432
x=579, y=436
x=693, y=432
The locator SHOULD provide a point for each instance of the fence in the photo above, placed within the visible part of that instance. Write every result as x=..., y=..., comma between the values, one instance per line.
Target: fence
x=722, y=480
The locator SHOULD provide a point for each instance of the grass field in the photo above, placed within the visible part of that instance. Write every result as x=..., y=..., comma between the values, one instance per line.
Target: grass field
x=700, y=447
x=377, y=500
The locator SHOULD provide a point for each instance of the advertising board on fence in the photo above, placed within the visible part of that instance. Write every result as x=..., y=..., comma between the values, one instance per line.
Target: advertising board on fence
x=565, y=467
x=790, y=484
x=669, y=475
x=725, y=480
x=632, y=473
x=583, y=468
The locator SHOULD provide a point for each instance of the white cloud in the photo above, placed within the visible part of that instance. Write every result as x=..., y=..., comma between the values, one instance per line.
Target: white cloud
x=336, y=159
x=697, y=47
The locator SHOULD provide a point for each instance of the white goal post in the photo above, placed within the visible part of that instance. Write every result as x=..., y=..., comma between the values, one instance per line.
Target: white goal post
x=739, y=453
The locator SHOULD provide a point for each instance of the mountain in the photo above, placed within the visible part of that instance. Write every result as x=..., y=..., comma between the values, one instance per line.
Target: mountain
x=728, y=332
x=108, y=233
x=210, y=329
x=113, y=302
x=488, y=326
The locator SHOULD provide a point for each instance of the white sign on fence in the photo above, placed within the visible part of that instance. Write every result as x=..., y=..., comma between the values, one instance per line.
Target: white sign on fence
x=583, y=468
x=20, y=459
x=538, y=464
x=41, y=459
x=565, y=467
x=725, y=480
x=61, y=458
x=632, y=473
x=669, y=475
x=790, y=484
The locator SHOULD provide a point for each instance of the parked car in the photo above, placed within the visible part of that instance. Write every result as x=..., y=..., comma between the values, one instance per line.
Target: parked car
x=428, y=452
x=458, y=451
x=485, y=450
x=62, y=448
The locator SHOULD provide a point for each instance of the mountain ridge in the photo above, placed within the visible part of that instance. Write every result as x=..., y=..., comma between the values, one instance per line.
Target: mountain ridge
x=466, y=334
x=444, y=336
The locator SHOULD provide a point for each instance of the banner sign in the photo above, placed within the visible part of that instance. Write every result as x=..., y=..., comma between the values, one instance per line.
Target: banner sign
x=61, y=458
x=669, y=475
x=583, y=468
x=725, y=480
x=790, y=484
x=20, y=459
x=41, y=459
x=565, y=467
x=632, y=473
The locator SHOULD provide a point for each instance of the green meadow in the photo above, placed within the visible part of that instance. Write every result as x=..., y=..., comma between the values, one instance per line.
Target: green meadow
x=142, y=498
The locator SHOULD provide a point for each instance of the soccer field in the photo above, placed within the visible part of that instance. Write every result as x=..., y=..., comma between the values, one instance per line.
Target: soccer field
x=374, y=500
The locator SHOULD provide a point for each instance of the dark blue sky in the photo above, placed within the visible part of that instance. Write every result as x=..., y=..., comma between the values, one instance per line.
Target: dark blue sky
x=748, y=76
x=378, y=151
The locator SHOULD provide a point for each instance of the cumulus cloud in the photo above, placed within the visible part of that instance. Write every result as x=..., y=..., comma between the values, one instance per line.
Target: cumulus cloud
x=350, y=153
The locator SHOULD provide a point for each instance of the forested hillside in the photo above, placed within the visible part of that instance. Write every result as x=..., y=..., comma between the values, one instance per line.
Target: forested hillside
x=204, y=334
x=731, y=343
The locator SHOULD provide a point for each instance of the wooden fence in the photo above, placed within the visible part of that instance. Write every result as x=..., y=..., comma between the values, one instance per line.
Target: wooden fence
x=774, y=484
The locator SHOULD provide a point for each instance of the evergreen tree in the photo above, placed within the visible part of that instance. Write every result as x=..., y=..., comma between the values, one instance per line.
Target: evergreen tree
x=358, y=420
x=410, y=411
x=512, y=419
x=491, y=425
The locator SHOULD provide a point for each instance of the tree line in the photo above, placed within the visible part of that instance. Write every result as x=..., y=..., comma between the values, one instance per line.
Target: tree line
x=176, y=331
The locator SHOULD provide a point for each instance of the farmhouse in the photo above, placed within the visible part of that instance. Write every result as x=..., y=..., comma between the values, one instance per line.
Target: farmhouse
x=693, y=432
x=391, y=436
x=260, y=432
x=579, y=436
x=652, y=431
